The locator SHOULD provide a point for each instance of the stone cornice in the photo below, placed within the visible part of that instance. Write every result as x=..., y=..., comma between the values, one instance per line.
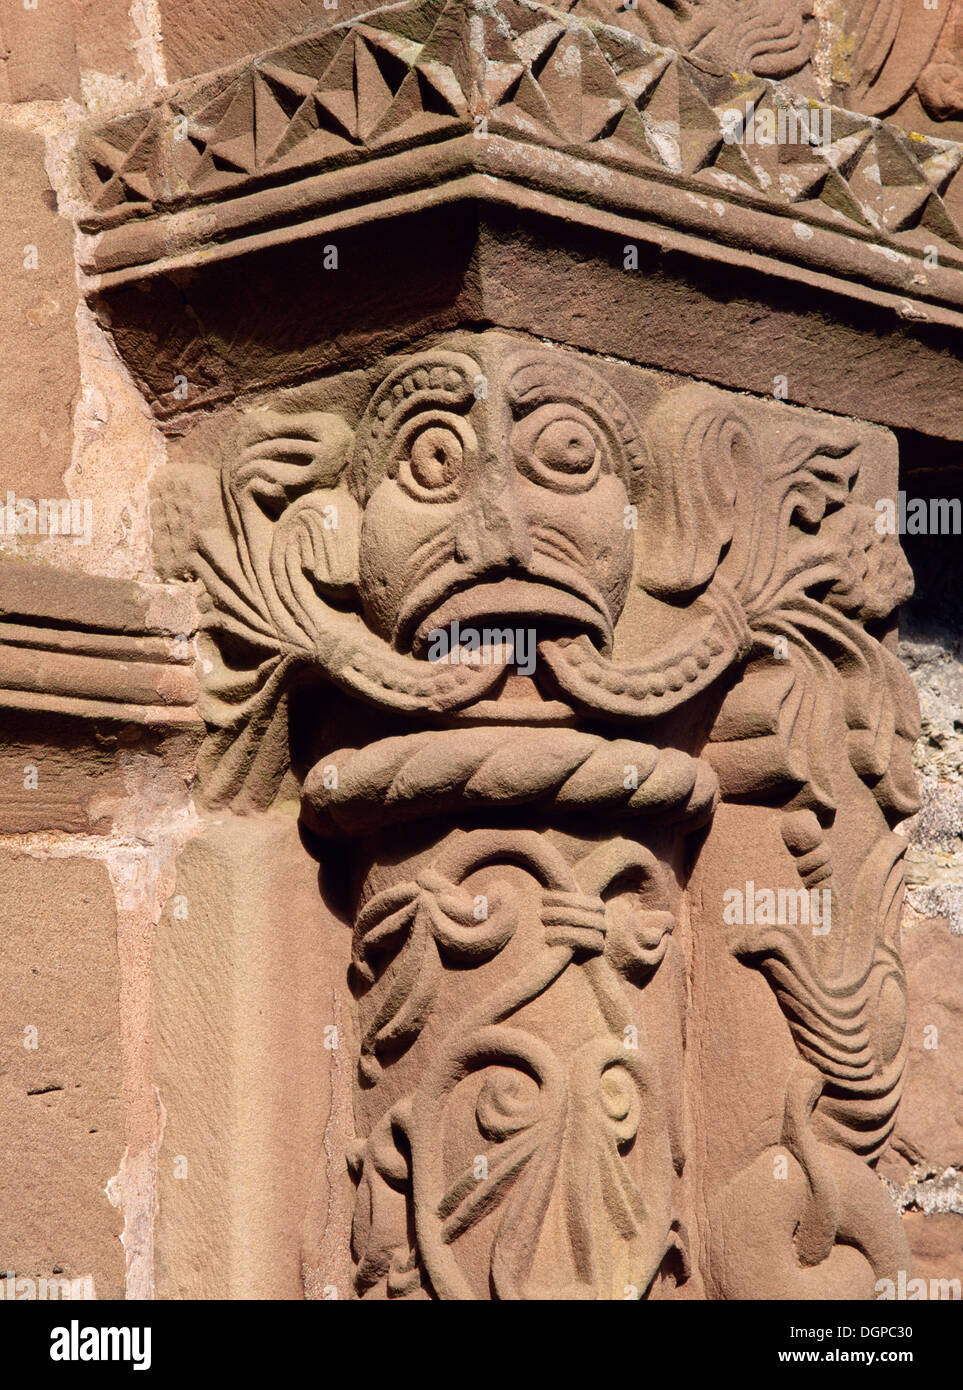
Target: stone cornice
x=94, y=647
x=437, y=102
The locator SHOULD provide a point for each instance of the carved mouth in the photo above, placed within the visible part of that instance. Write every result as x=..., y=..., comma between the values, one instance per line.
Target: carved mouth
x=539, y=608
x=520, y=700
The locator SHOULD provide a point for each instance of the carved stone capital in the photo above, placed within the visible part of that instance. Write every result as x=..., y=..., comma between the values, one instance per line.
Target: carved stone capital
x=516, y=622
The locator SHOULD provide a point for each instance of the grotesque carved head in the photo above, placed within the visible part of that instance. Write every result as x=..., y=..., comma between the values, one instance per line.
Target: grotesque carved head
x=500, y=486
x=493, y=486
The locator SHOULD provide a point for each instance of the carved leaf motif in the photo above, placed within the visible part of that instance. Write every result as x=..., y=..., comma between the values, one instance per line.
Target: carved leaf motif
x=799, y=535
x=290, y=547
x=560, y=1139
x=892, y=42
x=726, y=528
x=423, y=922
x=560, y=1136
x=848, y=1023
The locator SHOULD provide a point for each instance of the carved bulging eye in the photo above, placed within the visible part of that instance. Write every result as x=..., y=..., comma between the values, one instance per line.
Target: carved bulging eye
x=566, y=446
x=431, y=459
x=436, y=457
x=558, y=447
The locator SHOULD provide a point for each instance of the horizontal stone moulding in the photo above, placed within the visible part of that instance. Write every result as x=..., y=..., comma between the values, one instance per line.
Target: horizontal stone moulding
x=88, y=645
x=37, y=595
x=427, y=101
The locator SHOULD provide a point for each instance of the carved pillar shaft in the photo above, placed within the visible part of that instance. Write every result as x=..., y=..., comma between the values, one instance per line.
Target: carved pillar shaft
x=521, y=1001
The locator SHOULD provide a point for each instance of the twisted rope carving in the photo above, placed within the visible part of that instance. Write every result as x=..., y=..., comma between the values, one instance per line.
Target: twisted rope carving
x=439, y=772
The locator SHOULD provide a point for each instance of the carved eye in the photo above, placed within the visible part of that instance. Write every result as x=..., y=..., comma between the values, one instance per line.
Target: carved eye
x=431, y=461
x=558, y=448
x=436, y=457
x=566, y=446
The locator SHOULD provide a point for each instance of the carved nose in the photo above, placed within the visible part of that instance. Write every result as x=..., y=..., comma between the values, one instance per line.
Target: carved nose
x=494, y=533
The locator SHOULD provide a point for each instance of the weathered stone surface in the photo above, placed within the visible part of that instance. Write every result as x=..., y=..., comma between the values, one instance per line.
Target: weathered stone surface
x=912, y=73
x=51, y=783
x=937, y=1246
x=39, y=374
x=251, y=1049
x=931, y=634
x=93, y=647
x=459, y=263
x=928, y=1135
x=61, y=1079
x=39, y=51
x=930, y=1127
x=107, y=42
x=201, y=37
x=847, y=247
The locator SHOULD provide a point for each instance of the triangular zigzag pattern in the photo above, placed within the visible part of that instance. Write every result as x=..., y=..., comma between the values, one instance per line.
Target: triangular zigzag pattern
x=441, y=68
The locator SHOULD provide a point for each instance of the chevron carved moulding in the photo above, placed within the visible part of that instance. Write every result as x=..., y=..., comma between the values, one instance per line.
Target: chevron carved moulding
x=532, y=382
x=570, y=106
